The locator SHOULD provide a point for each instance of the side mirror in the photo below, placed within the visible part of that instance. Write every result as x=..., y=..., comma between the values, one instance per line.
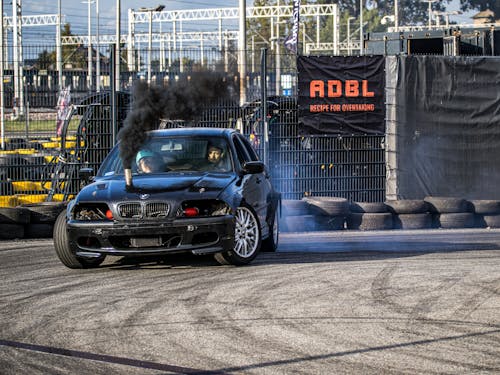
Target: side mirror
x=253, y=167
x=86, y=175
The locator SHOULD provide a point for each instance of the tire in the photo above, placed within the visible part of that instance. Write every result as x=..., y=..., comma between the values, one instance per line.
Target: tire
x=38, y=231
x=45, y=212
x=446, y=205
x=455, y=220
x=63, y=247
x=270, y=244
x=368, y=207
x=329, y=222
x=14, y=215
x=413, y=221
x=485, y=207
x=407, y=206
x=247, y=232
x=11, y=231
x=328, y=206
x=292, y=207
x=492, y=221
x=300, y=223
x=370, y=221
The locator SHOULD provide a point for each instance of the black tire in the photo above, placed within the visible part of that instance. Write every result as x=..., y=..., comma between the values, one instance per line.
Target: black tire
x=446, y=205
x=14, y=215
x=492, y=221
x=413, y=221
x=243, y=237
x=299, y=223
x=408, y=206
x=63, y=247
x=485, y=207
x=455, y=220
x=45, y=212
x=292, y=207
x=328, y=206
x=270, y=244
x=38, y=230
x=368, y=207
x=329, y=222
x=370, y=221
x=11, y=231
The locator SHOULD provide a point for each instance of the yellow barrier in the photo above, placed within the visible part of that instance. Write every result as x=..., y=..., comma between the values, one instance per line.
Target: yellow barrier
x=31, y=198
x=8, y=201
x=23, y=186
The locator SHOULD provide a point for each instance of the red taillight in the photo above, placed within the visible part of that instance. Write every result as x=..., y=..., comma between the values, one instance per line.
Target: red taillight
x=191, y=211
x=109, y=215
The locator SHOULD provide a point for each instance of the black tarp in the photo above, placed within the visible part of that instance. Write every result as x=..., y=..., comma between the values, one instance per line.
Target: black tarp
x=447, y=120
x=341, y=94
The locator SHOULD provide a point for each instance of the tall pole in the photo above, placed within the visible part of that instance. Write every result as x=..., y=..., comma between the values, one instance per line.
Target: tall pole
x=59, y=46
x=396, y=15
x=2, y=124
x=150, y=43
x=361, y=36
x=98, y=49
x=242, y=57
x=89, y=47
x=348, y=35
x=429, y=11
x=18, y=57
x=278, y=54
x=117, y=46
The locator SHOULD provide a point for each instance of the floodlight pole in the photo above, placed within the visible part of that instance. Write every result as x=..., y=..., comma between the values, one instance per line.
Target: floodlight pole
x=361, y=36
x=242, y=57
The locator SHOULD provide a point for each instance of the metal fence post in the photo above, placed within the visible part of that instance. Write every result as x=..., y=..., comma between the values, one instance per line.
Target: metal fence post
x=112, y=102
x=263, y=103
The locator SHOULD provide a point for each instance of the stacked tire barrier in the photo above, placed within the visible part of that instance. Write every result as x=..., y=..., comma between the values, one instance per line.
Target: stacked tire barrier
x=331, y=213
x=30, y=220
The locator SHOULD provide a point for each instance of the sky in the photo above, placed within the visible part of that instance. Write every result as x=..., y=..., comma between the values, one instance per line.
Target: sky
x=76, y=12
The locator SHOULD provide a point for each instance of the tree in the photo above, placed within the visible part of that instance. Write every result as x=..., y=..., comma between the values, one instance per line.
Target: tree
x=76, y=55
x=480, y=5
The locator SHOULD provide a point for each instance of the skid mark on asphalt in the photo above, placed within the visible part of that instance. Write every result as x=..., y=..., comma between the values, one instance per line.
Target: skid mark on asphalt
x=186, y=370
x=107, y=358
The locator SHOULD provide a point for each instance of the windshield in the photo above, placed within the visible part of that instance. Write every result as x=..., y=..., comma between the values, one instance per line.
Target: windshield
x=174, y=154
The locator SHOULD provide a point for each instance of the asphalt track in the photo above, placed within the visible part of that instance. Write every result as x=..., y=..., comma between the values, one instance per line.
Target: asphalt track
x=393, y=302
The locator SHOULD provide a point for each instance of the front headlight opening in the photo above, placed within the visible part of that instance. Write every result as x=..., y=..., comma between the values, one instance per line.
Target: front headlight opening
x=206, y=207
x=91, y=212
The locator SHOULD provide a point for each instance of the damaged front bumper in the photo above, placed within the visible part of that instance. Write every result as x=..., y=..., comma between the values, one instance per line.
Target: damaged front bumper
x=202, y=235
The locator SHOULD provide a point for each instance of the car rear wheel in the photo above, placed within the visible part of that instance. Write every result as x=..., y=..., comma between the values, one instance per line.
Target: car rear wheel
x=247, y=239
x=270, y=244
x=63, y=248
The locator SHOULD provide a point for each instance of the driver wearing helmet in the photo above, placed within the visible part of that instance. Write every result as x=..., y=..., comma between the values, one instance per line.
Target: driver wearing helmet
x=148, y=162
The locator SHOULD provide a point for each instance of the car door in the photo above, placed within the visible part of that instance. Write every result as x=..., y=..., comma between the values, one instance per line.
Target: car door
x=256, y=187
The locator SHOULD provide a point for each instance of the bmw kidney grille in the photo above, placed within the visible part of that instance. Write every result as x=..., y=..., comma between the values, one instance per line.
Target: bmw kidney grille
x=149, y=210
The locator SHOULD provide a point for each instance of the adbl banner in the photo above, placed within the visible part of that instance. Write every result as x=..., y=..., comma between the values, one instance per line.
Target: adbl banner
x=341, y=94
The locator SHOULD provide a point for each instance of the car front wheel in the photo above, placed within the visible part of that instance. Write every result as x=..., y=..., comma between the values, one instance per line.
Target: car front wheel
x=63, y=248
x=247, y=239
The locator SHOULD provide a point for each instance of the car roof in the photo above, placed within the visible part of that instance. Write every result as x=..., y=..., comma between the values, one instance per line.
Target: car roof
x=193, y=132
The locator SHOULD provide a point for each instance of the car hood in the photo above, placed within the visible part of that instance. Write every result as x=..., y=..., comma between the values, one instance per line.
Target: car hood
x=162, y=186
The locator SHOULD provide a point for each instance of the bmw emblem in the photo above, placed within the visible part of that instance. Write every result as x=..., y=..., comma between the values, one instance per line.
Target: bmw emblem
x=144, y=196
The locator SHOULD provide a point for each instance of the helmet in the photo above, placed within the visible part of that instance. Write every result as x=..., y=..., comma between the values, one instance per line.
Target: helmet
x=143, y=154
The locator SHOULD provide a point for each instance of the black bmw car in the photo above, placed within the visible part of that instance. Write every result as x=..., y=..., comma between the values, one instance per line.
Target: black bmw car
x=195, y=190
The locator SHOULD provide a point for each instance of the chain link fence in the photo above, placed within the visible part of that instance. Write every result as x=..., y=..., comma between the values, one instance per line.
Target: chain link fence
x=47, y=138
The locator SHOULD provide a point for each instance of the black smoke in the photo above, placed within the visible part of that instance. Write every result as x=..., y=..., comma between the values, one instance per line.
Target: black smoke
x=184, y=99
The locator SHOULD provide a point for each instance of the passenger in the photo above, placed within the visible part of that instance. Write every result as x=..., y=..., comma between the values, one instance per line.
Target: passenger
x=215, y=158
x=148, y=162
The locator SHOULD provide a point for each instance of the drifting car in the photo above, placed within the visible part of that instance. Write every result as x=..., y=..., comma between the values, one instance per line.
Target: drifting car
x=186, y=205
